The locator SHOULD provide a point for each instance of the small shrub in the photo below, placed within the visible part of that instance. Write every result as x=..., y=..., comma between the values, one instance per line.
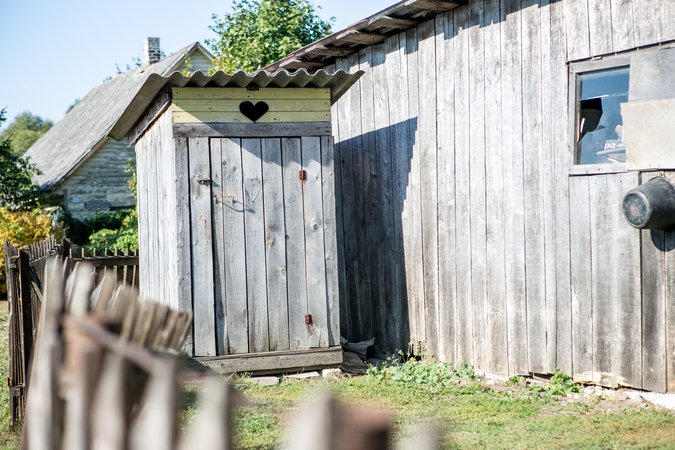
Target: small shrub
x=21, y=228
x=121, y=238
x=561, y=384
x=425, y=372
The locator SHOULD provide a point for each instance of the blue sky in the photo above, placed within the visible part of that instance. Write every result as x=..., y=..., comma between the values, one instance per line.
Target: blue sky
x=57, y=51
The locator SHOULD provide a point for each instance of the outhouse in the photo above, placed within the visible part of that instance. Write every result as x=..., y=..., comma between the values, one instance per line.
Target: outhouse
x=236, y=210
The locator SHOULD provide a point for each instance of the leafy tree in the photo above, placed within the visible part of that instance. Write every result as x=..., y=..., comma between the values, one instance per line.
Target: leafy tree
x=25, y=130
x=17, y=191
x=259, y=32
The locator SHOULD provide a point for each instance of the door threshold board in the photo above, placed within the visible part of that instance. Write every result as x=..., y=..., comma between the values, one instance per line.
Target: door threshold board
x=287, y=361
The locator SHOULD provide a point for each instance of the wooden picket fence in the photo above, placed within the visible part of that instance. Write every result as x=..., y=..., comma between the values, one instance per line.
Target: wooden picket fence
x=96, y=386
x=25, y=274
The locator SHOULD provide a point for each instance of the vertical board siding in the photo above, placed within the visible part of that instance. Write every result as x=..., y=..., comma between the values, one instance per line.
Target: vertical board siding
x=557, y=93
x=445, y=113
x=413, y=209
x=533, y=189
x=275, y=243
x=477, y=183
x=330, y=221
x=202, y=248
x=581, y=274
x=497, y=256
x=462, y=196
x=219, y=261
x=397, y=90
x=512, y=132
x=295, y=243
x=496, y=361
x=254, y=232
x=317, y=304
x=235, y=327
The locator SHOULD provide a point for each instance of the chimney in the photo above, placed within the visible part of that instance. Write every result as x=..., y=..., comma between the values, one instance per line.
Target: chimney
x=151, y=52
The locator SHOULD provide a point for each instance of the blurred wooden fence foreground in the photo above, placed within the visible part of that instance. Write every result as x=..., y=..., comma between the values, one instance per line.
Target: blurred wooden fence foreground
x=106, y=375
x=25, y=275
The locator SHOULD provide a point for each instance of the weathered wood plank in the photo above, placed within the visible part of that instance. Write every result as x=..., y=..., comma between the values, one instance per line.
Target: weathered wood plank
x=232, y=203
x=202, y=248
x=627, y=265
x=233, y=105
x=623, y=28
x=333, y=284
x=396, y=69
x=181, y=94
x=477, y=127
x=219, y=261
x=561, y=161
x=512, y=126
x=343, y=186
x=412, y=217
x=496, y=360
x=275, y=240
x=386, y=245
x=578, y=38
x=667, y=10
x=535, y=275
x=648, y=22
x=360, y=267
x=295, y=243
x=669, y=293
x=653, y=290
x=600, y=27
x=271, y=362
x=462, y=87
x=224, y=130
x=445, y=112
x=581, y=278
x=429, y=195
x=254, y=226
x=317, y=299
x=604, y=278
x=184, y=268
x=237, y=117
x=373, y=192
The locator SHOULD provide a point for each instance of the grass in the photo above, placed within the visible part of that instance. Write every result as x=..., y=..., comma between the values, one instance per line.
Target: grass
x=468, y=412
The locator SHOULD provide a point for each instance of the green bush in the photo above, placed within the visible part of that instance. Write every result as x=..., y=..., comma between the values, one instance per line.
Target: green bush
x=425, y=372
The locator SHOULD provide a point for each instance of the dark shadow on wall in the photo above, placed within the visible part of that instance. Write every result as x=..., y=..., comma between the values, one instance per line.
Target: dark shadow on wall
x=372, y=172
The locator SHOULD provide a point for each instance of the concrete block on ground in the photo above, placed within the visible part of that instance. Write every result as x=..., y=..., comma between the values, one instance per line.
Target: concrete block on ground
x=265, y=381
x=304, y=375
x=331, y=374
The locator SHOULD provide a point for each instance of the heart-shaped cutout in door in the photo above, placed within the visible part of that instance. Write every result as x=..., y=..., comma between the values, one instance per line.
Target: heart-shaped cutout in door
x=253, y=112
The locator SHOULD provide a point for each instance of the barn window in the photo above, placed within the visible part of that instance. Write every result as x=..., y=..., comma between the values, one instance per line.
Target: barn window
x=597, y=89
x=599, y=125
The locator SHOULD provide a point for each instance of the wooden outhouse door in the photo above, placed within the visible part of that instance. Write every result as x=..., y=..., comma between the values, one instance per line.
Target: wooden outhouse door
x=272, y=213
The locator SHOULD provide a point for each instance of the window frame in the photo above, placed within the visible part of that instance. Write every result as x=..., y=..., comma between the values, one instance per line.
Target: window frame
x=575, y=70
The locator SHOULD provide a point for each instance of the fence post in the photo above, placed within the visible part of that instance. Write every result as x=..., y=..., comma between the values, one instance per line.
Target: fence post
x=26, y=315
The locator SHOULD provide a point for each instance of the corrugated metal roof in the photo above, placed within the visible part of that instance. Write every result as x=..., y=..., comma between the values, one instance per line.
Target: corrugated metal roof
x=75, y=137
x=337, y=82
x=372, y=30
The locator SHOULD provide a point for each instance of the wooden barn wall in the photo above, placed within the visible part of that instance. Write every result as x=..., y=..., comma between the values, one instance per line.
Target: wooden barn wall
x=99, y=181
x=459, y=225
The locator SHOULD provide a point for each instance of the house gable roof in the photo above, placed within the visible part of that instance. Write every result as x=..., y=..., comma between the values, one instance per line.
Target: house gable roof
x=86, y=127
x=372, y=30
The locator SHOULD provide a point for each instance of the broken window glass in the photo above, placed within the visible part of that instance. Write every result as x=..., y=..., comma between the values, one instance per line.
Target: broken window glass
x=599, y=125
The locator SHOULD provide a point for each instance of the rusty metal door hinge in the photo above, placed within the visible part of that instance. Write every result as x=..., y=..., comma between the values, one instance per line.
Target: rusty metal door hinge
x=303, y=175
